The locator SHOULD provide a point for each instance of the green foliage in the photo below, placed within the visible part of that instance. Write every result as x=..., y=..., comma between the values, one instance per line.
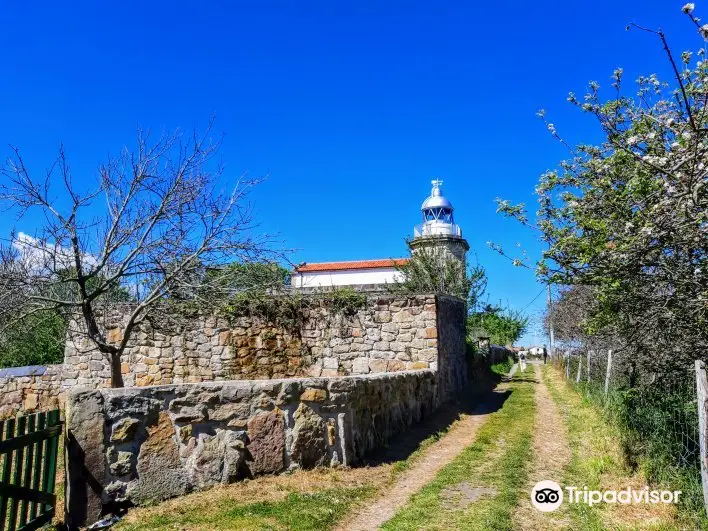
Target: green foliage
x=251, y=276
x=659, y=431
x=502, y=326
x=627, y=217
x=345, y=301
x=290, y=310
x=503, y=367
x=36, y=340
x=434, y=271
x=625, y=223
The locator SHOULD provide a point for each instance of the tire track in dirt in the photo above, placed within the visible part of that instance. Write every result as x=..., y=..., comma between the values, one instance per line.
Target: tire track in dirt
x=425, y=468
x=552, y=454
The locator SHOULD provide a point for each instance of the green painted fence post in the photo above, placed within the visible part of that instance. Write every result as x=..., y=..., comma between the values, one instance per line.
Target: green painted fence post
x=17, y=473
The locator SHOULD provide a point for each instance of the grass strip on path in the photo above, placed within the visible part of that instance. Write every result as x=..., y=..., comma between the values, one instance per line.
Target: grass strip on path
x=598, y=463
x=551, y=454
x=480, y=487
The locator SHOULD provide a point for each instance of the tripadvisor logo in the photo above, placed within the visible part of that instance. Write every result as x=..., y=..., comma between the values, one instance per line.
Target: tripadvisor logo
x=547, y=496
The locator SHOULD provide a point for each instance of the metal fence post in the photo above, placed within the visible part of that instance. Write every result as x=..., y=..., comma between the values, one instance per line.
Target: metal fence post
x=608, y=372
x=702, y=394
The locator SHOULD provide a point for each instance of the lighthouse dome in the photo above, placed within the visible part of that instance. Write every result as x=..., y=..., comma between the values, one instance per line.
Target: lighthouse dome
x=436, y=199
x=439, y=229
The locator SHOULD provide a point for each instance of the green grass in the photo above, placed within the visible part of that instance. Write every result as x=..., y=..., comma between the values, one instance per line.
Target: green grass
x=646, y=429
x=650, y=427
x=405, y=464
x=597, y=458
x=498, y=459
x=297, y=512
x=588, y=463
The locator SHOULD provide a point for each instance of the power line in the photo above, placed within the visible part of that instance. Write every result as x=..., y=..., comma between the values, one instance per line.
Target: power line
x=534, y=299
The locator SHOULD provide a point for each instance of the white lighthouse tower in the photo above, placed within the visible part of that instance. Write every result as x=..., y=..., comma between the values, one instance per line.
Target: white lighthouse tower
x=438, y=230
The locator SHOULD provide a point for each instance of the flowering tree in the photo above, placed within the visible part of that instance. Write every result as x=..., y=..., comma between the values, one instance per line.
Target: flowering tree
x=629, y=217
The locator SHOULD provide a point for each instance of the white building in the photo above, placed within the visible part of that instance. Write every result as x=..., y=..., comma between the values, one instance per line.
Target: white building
x=354, y=273
x=438, y=231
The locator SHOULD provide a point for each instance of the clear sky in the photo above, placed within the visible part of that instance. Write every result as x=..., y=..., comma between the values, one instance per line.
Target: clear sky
x=350, y=108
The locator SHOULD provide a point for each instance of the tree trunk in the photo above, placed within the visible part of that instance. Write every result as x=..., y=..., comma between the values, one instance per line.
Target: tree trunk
x=116, y=374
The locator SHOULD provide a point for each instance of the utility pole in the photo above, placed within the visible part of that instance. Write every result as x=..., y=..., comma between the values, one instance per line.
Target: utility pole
x=550, y=322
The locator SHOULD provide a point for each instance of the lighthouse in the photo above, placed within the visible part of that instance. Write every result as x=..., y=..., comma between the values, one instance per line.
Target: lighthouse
x=439, y=232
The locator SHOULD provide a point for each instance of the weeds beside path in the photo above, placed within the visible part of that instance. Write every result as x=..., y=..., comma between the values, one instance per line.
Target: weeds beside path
x=597, y=462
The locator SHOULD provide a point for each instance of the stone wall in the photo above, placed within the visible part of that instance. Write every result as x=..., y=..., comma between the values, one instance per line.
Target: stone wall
x=390, y=333
x=140, y=445
x=247, y=396
x=29, y=388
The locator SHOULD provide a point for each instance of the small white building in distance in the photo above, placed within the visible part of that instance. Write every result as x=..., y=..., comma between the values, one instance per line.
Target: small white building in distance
x=354, y=273
x=438, y=231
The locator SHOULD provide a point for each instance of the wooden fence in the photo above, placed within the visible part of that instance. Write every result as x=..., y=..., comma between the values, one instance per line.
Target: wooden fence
x=28, y=460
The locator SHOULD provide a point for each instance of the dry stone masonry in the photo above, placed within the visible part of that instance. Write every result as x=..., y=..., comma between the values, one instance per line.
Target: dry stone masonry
x=243, y=398
x=140, y=445
x=388, y=334
x=29, y=388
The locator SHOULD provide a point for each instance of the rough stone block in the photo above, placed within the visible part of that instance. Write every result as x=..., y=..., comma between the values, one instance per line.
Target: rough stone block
x=360, y=366
x=160, y=471
x=313, y=395
x=378, y=365
x=266, y=433
x=330, y=363
x=309, y=446
x=124, y=430
x=86, y=472
x=382, y=317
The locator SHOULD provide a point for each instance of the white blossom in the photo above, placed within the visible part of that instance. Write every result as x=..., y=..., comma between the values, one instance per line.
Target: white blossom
x=688, y=8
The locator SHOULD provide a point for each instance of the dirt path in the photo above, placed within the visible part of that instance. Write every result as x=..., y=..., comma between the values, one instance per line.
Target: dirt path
x=436, y=456
x=551, y=454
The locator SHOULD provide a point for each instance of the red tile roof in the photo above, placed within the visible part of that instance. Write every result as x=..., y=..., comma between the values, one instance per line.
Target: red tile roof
x=356, y=264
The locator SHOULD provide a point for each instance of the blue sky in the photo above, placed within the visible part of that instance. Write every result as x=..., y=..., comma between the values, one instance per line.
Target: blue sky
x=350, y=108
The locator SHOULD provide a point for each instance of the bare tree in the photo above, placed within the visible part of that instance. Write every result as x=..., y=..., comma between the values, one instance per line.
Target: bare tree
x=153, y=221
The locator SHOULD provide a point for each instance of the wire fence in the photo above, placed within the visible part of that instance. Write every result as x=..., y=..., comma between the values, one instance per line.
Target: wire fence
x=657, y=414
